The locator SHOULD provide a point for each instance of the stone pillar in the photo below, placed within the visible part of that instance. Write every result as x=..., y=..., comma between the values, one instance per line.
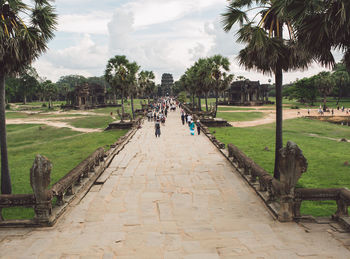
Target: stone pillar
x=291, y=165
x=40, y=180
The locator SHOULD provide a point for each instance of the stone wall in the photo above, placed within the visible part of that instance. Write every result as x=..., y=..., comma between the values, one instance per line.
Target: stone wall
x=72, y=186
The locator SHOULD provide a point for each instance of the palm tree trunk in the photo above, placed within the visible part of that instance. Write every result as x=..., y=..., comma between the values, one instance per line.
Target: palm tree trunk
x=216, y=102
x=132, y=107
x=192, y=102
x=114, y=96
x=324, y=102
x=279, y=119
x=123, y=111
x=206, y=101
x=5, y=172
x=25, y=99
x=199, y=103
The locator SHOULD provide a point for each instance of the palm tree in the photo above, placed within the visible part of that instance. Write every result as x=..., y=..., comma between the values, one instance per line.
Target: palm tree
x=131, y=79
x=320, y=26
x=188, y=82
x=24, y=34
x=146, y=82
x=266, y=50
x=219, y=65
x=116, y=76
x=202, y=74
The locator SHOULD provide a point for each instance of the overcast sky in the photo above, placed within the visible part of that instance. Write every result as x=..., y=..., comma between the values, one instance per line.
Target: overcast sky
x=165, y=36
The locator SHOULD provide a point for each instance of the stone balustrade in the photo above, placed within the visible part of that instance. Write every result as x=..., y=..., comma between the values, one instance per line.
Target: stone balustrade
x=50, y=203
x=283, y=191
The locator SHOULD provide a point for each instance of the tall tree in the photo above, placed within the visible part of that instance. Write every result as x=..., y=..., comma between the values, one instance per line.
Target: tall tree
x=219, y=65
x=131, y=78
x=203, y=69
x=320, y=25
x=28, y=79
x=342, y=80
x=49, y=91
x=147, y=84
x=20, y=44
x=266, y=50
x=325, y=83
x=116, y=76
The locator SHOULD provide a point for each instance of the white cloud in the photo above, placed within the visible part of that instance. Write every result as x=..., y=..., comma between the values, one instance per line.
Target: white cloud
x=85, y=58
x=94, y=22
x=166, y=51
x=148, y=12
x=163, y=36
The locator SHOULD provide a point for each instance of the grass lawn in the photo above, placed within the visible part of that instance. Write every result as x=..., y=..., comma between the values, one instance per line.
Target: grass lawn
x=240, y=116
x=233, y=108
x=325, y=157
x=331, y=102
x=63, y=147
x=91, y=122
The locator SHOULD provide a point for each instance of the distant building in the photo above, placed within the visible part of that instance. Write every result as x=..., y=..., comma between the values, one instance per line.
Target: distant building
x=166, y=84
x=248, y=92
x=87, y=96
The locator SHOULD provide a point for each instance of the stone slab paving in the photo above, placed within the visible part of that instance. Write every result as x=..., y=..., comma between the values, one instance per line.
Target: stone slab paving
x=171, y=197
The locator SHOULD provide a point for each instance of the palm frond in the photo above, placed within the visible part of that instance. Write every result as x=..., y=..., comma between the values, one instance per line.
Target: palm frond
x=232, y=16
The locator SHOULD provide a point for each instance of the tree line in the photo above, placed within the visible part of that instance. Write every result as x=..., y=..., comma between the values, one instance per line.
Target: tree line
x=205, y=76
x=126, y=80
x=325, y=84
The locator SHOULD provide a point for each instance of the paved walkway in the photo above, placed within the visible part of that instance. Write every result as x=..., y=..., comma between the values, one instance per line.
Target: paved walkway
x=173, y=197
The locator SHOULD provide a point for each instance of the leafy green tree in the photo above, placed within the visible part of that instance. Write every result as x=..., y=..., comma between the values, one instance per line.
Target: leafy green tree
x=325, y=83
x=304, y=90
x=266, y=50
x=178, y=88
x=11, y=89
x=20, y=44
x=49, y=91
x=342, y=80
x=71, y=81
x=28, y=80
x=66, y=84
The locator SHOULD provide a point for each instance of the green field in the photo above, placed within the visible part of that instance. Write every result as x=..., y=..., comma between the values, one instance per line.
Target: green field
x=240, y=116
x=233, y=108
x=331, y=103
x=63, y=147
x=326, y=157
x=91, y=122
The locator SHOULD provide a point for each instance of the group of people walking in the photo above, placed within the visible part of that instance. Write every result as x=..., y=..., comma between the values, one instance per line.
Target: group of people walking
x=187, y=118
x=159, y=112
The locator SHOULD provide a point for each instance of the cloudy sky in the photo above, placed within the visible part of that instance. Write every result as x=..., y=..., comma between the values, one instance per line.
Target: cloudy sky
x=165, y=36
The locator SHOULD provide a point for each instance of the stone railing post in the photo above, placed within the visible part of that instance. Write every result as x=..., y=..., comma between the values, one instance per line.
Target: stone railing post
x=40, y=180
x=291, y=165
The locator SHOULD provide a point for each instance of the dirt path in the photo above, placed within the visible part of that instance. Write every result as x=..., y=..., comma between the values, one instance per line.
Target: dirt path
x=57, y=122
x=53, y=122
x=270, y=116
